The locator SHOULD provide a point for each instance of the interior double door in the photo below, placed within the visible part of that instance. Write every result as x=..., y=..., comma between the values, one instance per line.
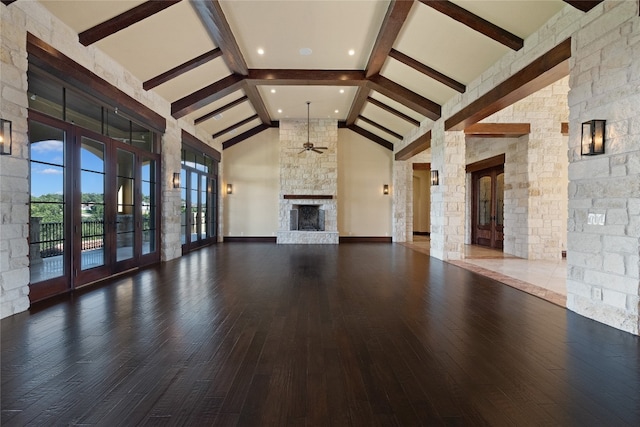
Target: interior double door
x=488, y=207
x=114, y=227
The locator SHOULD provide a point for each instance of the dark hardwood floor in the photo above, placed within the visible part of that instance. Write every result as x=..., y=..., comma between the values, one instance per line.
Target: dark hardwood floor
x=257, y=334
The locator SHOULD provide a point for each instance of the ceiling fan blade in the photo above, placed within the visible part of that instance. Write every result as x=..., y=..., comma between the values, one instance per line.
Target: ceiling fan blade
x=302, y=151
x=322, y=148
x=316, y=150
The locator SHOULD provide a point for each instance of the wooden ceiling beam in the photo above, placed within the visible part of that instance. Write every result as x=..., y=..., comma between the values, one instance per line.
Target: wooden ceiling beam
x=547, y=69
x=8, y=2
x=181, y=69
x=393, y=22
x=283, y=77
x=475, y=22
x=393, y=111
x=371, y=136
x=427, y=71
x=404, y=96
x=256, y=101
x=583, y=5
x=236, y=126
x=206, y=95
x=421, y=143
x=379, y=126
x=215, y=22
x=498, y=130
x=357, y=105
x=123, y=21
x=220, y=110
x=245, y=135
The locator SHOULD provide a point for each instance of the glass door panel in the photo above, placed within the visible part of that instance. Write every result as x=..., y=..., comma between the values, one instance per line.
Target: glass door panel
x=125, y=214
x=47, y=226
x=149, y=207
x=203, y=207
x=92, y=203
x=193, y=200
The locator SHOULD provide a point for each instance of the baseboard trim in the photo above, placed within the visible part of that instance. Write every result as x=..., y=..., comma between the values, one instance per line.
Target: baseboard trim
x=249, y=239
x=362, y=239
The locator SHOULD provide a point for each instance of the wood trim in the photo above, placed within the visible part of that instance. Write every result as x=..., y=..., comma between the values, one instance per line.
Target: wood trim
x=256, y=101
x=213, y=19
x=422, y=233
x=181, y=69
x=421, y=166
x=498, y=130
x=124, y=20
x=250, y=239
x=404, y=96
x=393, y=22
x=55, y=63
x=206, y=95
x=364, y=239
x=543, y=71
x=307, y=196
x=371, y=136
x=422, y=143
x=491, y=162
x=357, y=105
x=427, y=71
x=280, y=77
x=393, y=111
x=564, y=128
x=236, y=125
x=380, y=127
x=220, y=110
x=245, y=135
x=199, y=145
x=583, y=5
x=475, y=22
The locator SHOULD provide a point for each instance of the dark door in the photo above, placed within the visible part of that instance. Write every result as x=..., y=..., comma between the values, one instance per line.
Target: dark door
x=488, y=207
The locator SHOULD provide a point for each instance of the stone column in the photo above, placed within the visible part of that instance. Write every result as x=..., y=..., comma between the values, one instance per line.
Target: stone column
x=170, y=206
x=402, y=209
x=448, y=198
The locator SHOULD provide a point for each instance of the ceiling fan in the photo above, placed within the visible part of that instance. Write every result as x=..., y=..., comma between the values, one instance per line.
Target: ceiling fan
x=308, y=146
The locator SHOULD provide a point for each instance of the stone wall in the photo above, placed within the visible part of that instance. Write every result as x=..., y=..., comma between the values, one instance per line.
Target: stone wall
x=14, y=169
x=603, y=276
x=308, y=173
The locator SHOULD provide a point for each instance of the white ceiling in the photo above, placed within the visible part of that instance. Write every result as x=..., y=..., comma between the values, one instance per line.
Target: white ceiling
x=329, y=29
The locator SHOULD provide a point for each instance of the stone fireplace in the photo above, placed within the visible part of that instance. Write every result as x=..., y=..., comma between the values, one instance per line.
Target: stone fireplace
x=308, y=211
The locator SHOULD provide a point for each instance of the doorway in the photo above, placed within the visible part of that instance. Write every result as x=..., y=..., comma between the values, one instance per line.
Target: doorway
x=488, y=207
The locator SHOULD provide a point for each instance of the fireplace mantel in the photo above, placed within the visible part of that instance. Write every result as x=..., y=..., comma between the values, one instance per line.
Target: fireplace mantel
x=307, y=196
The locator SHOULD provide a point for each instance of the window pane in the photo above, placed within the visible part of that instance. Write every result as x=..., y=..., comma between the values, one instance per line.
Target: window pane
x=46, y=143
x=83, y=112
x=118, y=127
x=484, y=200
x=45, y=95
x=92, y=184
x=500, y=199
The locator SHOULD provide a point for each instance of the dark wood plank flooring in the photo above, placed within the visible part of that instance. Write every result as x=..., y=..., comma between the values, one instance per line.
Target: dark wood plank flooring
x=256, y=334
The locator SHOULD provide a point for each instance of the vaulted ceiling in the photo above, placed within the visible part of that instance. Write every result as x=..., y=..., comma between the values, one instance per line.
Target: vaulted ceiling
x=235, y=68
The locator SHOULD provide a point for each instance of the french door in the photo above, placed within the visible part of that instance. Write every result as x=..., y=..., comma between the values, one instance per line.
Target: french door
x=106, y=218
x=488, y=207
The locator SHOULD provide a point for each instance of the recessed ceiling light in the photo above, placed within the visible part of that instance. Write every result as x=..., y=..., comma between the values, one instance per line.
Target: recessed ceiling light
x=273, y=91
x=280, y=110
x=352, y=52
x=341, y=90
x=305, y=51
x=336, y=111
x=260, y=51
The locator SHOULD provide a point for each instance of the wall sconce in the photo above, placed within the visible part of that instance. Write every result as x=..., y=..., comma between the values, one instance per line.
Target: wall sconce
x=385, y=189
x=435, y=179
x=229, y=188
x=5, y=137
x=176, y=180
x=593, y=137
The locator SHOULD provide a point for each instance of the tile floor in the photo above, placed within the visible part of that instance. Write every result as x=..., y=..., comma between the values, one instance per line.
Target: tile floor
x=542, y=278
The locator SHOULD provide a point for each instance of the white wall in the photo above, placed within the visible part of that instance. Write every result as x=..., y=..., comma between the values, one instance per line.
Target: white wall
x=363, y=168
x=252, y=167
